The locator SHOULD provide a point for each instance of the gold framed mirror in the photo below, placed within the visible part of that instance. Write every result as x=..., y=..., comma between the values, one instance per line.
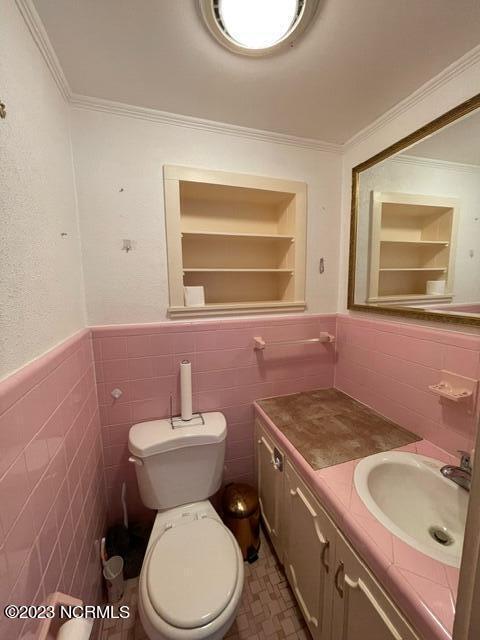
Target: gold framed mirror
x=415, y=224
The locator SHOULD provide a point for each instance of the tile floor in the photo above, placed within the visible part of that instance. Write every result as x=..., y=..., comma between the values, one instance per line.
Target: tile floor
x=268, y=609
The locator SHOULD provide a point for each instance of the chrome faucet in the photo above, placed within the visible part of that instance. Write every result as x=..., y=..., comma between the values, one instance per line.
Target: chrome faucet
x=461, y=475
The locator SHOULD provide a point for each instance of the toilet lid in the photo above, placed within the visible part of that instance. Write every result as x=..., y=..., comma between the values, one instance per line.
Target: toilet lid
x=192, y=573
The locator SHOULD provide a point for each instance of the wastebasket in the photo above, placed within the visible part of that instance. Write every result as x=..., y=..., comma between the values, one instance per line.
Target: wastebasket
x=241, y=513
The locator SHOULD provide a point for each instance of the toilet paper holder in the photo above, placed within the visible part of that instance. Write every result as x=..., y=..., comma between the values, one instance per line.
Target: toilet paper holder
x=197, y=419
x=53, y=600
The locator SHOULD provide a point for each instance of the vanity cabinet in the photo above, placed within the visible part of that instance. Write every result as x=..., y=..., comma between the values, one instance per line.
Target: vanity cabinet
x=338, y=595
x=309, y=547
x=270, y=460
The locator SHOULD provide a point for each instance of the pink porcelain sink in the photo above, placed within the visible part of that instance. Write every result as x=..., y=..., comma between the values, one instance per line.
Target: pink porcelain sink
x=408, y=495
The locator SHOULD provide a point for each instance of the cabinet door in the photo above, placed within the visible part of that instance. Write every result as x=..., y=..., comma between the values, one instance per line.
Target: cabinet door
x=270, y=486
x=361, y=609
x=308, y=548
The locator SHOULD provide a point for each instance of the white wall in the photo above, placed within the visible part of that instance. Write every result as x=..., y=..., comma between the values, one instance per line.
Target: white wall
x=430, y=104
x=41, y=290
x=433, y=178
x=115, y=152
x=118, y=163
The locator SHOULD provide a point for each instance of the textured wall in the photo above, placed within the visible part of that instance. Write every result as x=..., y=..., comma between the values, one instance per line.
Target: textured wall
x=115, y=152
x=51, y=481
x=228, y=375
x=41, y=296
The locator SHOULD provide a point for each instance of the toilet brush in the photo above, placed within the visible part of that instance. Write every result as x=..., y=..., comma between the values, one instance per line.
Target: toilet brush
x=118, y=536
x=124, y=505
x=128, y=540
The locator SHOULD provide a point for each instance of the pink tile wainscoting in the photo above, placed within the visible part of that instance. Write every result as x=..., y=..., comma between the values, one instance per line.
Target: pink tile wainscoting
x=228, y=375
x=52, y=492
x=63, y=440
x=388, y=366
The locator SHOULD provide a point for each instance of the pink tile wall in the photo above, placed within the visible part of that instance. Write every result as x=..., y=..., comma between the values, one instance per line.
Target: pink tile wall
x=388, y=366
x=54, y=469
x=52, y=493
x=143, y=361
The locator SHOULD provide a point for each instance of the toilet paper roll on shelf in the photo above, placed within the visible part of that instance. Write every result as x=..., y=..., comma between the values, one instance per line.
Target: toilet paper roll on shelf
x=436, y=287
x=194, y=296
x=186, y=389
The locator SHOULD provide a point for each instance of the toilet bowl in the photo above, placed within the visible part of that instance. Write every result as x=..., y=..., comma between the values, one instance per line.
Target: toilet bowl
x=192, y=576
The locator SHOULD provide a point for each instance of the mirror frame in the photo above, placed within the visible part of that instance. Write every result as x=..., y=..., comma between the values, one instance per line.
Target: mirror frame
x=406, y=312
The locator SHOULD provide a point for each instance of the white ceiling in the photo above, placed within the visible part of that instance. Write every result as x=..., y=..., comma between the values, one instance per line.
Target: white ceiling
x=460, y=142
x=358, y=59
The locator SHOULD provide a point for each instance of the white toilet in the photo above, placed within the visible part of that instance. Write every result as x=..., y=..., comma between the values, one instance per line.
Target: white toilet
x=192, y=575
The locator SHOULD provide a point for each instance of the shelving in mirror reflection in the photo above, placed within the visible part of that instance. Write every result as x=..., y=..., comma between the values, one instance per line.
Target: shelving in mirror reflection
x=417, y=243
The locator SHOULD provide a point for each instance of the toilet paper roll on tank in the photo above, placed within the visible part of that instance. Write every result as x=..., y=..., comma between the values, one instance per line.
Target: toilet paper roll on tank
x=186, y=389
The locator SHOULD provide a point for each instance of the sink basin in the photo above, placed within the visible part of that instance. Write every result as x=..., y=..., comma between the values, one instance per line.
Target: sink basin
x=408, y=495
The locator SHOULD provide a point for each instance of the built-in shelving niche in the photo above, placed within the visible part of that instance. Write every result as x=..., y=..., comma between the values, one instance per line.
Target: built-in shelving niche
x=241, y=237
x=412, y=241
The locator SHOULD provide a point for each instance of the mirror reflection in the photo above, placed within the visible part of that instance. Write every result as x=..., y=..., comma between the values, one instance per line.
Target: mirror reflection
x=418, y=225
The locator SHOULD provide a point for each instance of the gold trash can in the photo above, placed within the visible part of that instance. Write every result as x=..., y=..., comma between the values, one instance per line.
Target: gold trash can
x=241, y=513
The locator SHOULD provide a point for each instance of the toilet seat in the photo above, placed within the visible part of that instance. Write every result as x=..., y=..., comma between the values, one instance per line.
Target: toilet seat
x=203, y=530
x=192, y=572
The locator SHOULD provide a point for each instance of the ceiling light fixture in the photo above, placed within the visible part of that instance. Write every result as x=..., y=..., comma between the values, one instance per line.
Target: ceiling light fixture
x=257, y=27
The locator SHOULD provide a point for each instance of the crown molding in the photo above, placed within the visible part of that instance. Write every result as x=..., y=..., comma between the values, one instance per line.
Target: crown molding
x=458, y=67
x=39, y=35
x=434, y=163
x=190, y=122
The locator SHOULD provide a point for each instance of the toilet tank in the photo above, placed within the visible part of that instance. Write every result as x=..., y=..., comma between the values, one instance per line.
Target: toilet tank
x=178, y=465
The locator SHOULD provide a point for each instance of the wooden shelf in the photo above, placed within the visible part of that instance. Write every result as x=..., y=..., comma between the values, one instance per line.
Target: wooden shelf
x=421, y=243
x=263, y=306
x=201, y=270
x=231, y=234
x=413, y=239
x=411, y=298
x=240, y=237
x=414, y=269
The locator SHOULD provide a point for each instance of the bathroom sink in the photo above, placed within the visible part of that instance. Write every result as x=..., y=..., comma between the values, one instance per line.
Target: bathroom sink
x=408, y=495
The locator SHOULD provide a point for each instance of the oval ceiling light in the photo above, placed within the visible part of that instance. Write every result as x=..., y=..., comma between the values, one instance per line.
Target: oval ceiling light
x=257, y=27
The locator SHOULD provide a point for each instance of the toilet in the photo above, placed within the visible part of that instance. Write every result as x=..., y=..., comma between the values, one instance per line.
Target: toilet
x=192, y=576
